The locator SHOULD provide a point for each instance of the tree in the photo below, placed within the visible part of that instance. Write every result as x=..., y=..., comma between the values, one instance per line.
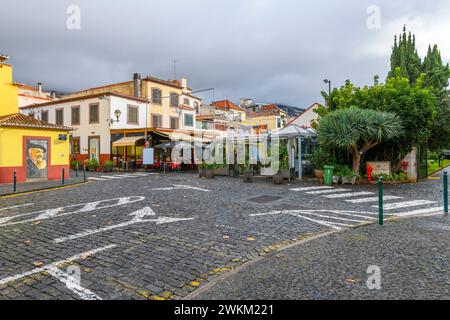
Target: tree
x=436, y=77
x=358, y=130
x=404, y=56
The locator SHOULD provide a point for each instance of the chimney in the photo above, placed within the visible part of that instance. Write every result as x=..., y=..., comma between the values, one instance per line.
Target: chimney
x=53, y=95
x=40, y=88
x=137, y=85
x=184, y=84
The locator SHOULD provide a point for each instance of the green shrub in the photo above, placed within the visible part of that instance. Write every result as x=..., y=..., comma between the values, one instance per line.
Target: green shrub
x=319, y=158
x=93, y=164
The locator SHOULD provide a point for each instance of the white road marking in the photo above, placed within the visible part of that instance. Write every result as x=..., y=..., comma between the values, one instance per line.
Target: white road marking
x=72, y=284
x=372, y=199
x=178, y=187
x=348, y=195
x=330, y=217
x=63, y=211
x=138, y=217
x=96, y=179
x=405, y=204
x=51, y=268
x=311, y=188
x=111, y=177
x=421, y=211
x=18, y=206
x=328, y=191
x=334, y=225
x=265, y=214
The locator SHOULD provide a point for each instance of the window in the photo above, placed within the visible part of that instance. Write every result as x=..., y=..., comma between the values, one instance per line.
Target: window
x=44, y=116
x=189, y=120
x=196, y=107
x=75, y=145
x=76, y=115
x=133, y=115
x=174, y=99
x=156, y=96
x=279, y=124
x=59, y=116
x=156, y=121
x=186, y=102
x=174, y=123
x=93, y=113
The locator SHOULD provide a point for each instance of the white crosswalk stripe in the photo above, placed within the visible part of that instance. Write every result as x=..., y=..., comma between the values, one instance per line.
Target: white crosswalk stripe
x=311, y=188
x=97, y=179
x=421, y=211
x=328, y=191
x=348, y=195
x=405, y=204
x=373, y=199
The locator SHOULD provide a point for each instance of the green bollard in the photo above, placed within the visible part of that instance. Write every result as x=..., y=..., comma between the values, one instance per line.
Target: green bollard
x=15, y=181
x=84, y=173
x=76, y=170
x=62, y=178
x=445, y=192
x=380, y=201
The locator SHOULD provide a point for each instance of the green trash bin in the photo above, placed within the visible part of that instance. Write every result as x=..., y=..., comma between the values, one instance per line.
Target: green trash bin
x=328, y=175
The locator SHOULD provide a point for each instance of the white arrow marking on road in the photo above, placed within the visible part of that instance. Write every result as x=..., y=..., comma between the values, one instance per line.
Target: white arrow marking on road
x=80, y=291
x=62, y=211
x=178, y=187
x=138, y=217
x=72, y=284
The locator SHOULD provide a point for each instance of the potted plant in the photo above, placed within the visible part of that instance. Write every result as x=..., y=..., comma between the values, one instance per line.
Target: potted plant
x=93, y=165
x=108, y=166
x=347, y=175
x=202, y=170
x=75, y=164
x=247, y=172
x=319, y=158
x=210, y=171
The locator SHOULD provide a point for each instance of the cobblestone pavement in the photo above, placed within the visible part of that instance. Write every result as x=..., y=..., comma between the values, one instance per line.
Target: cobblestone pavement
x=412, y=255
x=162, y=236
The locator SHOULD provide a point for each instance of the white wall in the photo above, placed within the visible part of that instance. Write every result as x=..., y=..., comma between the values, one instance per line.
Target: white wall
x=306, y=118
x=118, y=103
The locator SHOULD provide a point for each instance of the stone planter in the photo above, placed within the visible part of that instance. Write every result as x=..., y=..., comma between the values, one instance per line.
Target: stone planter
x=247, y=177
x=107, y=169
x=286, y=174
x=222, y=171
x=318, y=174
x=201, y=172
x=348, y=180
x=336, y=179
x=210, y=173
x=278, y=178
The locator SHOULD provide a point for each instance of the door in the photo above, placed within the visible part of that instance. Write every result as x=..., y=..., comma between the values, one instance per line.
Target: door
x=94, y=148
x=36, y=159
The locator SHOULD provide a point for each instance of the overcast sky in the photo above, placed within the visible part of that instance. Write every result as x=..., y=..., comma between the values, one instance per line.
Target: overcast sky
x=268, y=50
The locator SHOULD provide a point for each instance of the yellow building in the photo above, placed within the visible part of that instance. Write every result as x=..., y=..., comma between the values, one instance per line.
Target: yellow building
x=32, y=148
x=269, y=116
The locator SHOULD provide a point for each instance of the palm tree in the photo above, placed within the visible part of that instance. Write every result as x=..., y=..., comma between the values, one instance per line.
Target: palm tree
x=358, y=130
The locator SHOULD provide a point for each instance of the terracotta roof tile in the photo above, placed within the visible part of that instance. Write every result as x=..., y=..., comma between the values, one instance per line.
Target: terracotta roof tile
x=23, y=121
x=227, y=104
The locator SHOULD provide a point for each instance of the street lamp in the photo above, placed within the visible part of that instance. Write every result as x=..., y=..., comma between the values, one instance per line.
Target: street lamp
x=117, y=113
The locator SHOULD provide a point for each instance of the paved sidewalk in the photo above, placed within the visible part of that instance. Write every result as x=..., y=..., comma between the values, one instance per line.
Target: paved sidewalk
x=7, y=189
x=413, y=256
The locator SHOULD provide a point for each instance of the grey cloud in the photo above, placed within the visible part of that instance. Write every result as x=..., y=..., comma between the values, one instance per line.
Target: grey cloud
x=270, y=50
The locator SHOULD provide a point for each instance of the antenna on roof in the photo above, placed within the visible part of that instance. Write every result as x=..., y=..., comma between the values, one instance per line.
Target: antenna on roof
x=174, y=69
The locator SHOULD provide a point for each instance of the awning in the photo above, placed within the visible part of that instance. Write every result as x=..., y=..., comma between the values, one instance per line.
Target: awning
x=293, y=131
x=127, y=141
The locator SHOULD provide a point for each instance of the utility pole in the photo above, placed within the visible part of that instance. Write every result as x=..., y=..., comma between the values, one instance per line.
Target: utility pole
x=329, y=87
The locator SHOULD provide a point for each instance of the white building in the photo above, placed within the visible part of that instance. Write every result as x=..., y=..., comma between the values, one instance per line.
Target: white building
x=93, y=117
x=306, y=118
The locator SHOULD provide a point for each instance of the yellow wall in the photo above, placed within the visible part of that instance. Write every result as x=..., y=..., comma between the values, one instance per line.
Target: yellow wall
x=9, y=98
x=270, y=121
x=11, y=146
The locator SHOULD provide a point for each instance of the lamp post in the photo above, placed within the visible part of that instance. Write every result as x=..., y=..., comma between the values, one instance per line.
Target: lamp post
x=329, y=86
x=117, y=114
